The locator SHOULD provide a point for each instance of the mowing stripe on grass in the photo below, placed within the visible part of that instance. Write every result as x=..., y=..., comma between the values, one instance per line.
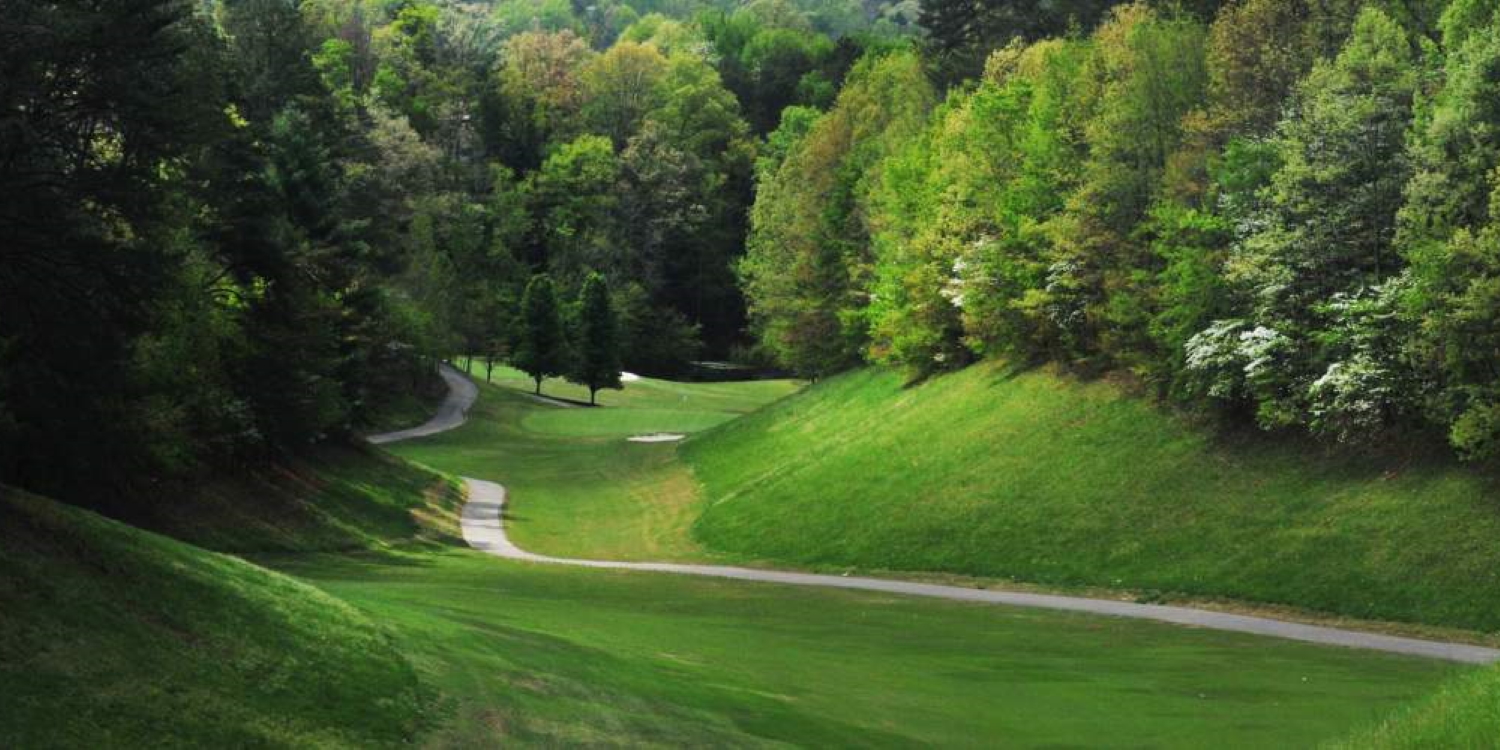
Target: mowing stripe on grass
x=484, y=530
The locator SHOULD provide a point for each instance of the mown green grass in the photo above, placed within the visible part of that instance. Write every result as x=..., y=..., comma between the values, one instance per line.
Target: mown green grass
x=579, y=488
x=124, y=638
x=682, y=661
x=546, y=655
x=1042, y=478
x=115, y=637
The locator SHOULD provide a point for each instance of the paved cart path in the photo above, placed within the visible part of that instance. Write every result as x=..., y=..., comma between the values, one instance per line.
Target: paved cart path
x=484, y=529
x=450, y=414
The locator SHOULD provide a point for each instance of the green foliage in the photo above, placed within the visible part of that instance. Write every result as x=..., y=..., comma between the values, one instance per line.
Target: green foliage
x=961, y=33
x=1287, y=212
x=807, y=270
x=542, y=345
x=654, y=340
x=574, y=197
x=621, y=86
x=596, y=340
x=1324, y=236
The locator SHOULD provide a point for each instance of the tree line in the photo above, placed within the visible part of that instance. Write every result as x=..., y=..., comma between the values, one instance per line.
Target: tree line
x=1275, y=210
x=580, y=342
x=233, y=229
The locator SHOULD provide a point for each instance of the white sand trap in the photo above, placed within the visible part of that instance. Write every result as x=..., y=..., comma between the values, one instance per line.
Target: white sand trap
x=656, y=437
x=629, y=377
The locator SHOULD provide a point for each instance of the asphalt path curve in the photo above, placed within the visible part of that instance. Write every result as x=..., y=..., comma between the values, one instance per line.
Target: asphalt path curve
x=461, y=395
x=484, y=529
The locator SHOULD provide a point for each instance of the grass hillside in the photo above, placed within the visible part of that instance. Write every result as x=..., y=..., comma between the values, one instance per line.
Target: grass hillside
x=115, y=637
x=1465, y=713
x=336, y=498
x=1044, y=479
x=580, y=488
x=546, y=655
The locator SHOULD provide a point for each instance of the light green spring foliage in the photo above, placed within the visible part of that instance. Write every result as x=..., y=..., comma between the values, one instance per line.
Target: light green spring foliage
x=1012, y=214
x=1450, y=230
x=940, y=204
x=1285, y=212
x=808, y=269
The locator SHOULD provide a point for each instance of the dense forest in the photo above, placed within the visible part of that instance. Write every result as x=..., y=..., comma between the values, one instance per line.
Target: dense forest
x=230, y=229
x=1279, y=212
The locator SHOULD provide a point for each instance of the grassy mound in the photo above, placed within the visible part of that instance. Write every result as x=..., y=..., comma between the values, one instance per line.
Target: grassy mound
x=1041, y=478
x=115, y=637
x=338, y=498
x=1465, y=713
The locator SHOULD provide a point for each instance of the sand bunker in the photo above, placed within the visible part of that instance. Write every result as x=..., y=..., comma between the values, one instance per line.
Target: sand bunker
x=656, y=437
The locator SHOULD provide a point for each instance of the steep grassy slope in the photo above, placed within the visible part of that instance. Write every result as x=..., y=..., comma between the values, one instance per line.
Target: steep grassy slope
x=1041, y=478
x=337, y=498
x=1464, y=714
x=556, y=656
x=115, y=637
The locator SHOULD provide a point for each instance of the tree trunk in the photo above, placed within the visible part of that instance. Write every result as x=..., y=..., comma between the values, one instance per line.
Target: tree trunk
x=592, y=391
x=538, y=386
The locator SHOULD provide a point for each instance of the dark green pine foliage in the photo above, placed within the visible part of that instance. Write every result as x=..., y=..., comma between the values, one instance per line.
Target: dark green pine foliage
x=542, y=351
x=598, y=362
x=103, y=103
x=962, y=33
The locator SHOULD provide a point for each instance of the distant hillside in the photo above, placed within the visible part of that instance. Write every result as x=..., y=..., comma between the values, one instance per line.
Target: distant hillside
x=1045, y=479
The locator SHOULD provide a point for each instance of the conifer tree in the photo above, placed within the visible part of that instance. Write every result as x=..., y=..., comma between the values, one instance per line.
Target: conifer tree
x=598, y=362
x=542, y=351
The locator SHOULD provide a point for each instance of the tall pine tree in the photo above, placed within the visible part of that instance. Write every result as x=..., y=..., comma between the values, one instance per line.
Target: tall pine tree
x=543, y=349
x=598, y=362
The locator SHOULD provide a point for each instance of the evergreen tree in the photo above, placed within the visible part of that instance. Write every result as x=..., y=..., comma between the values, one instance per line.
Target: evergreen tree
x=598, y=362
x=961, y=33
x=542, y=351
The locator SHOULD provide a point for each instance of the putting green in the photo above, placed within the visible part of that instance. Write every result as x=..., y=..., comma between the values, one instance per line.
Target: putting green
x=620, y=422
